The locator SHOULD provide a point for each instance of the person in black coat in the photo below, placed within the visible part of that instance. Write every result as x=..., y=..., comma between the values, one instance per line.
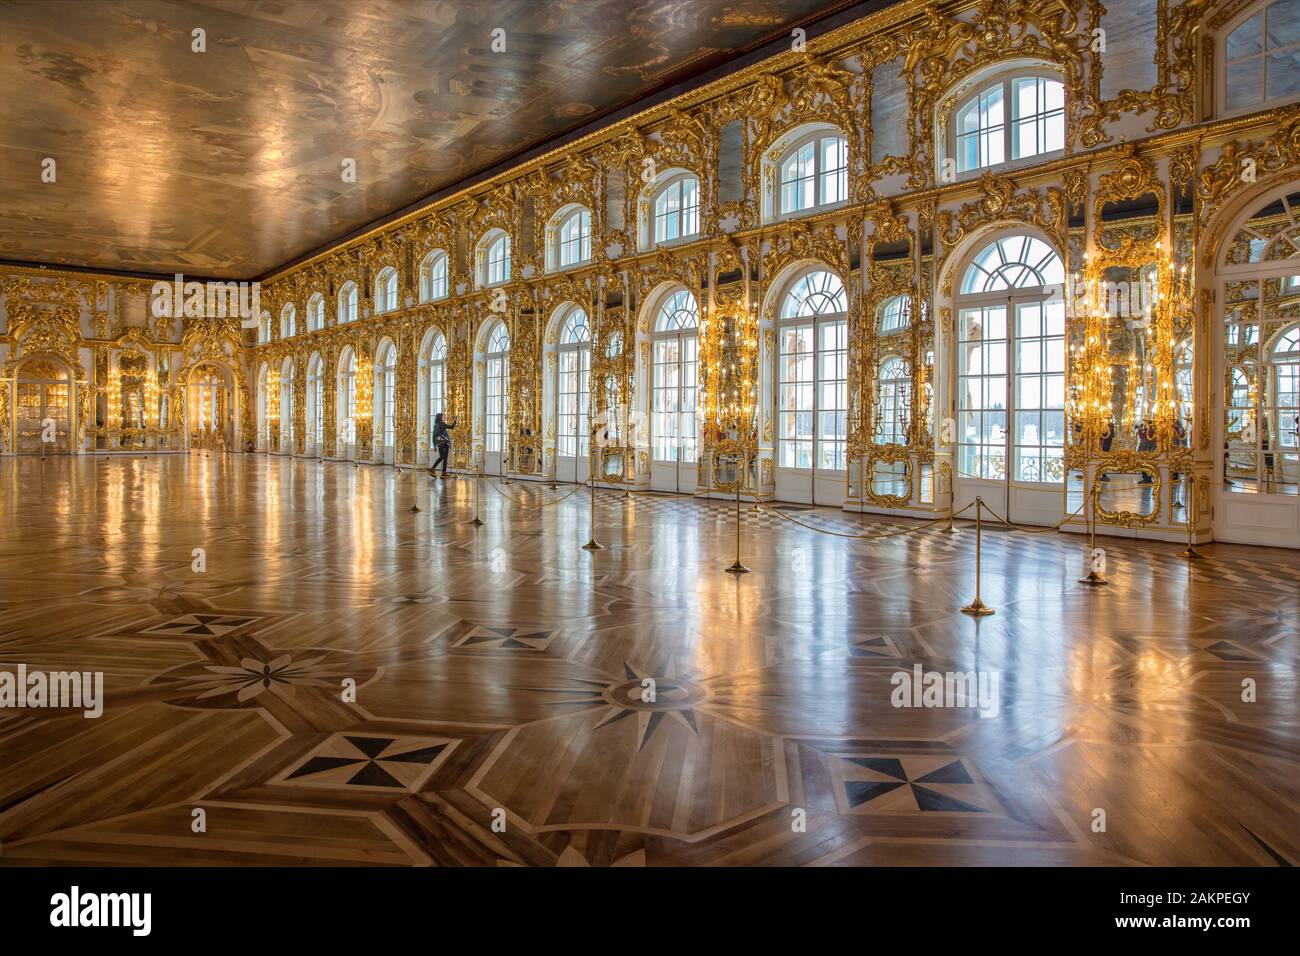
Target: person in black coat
x=441, y=442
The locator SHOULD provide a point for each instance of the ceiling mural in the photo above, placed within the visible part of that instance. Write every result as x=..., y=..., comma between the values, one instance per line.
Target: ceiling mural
x=230, y=162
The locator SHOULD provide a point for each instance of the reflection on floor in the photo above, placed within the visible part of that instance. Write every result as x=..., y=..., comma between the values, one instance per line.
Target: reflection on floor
x=502, y=673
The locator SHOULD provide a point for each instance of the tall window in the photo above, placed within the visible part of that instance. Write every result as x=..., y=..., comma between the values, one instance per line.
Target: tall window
x=348, y=303
x=1261, y=58
x=986, y=135
x=893, y=402
x=495, y=257
x=677, y=209
x=316, y=403
x=573, y=385
x=386, y=375
x=316, y=313
x=574, y=239
x=1009, y=328
x=347, y=399
x=288, y=321
x=815, y=172
x=496, y=392
x=812, y=397
x=264, y=332
x=386, y=290
x=436, y=379
x=263, y=406
x=286, y=404
x=675, y=383
x=433, y=276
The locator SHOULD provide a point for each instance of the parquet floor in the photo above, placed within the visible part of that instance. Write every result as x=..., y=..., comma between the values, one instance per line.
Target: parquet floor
x=498, y=716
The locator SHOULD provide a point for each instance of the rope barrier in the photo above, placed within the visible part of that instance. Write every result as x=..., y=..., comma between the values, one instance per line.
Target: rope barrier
x=864, y=536
x=545, y=504
x=1055, y=527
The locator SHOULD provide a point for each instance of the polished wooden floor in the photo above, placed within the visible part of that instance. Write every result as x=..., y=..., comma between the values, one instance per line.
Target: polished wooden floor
x=499, y=673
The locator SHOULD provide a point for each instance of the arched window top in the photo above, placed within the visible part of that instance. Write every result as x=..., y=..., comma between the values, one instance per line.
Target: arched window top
x=675, y=208
x=615, y=345
x=1015, y=116
x=896, y=313
x=435, y=348
x=315, y=364
x=1013, y=262
x=494, y=258
x=1272, y=234
x=893, y=367
x=386, y=290
x=433, y=276
x=817, y=293
x=812, y=170
x=1259, y=52
x=571, y=237
x=677, y=313
x=348, y=360
x=388, y=355
x=498, y=339
x=575, y=330
x=315, y=312
x=347, y=302
x=1288, y=341
x=287, y=312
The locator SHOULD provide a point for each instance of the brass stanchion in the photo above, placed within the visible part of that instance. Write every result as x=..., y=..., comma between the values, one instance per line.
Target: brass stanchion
x=478, y=493
x=1193, y=518
x=950, y=529
x=593, y=544
x=738, y=568
x=978, y=608
x=415, y=490
x=1094, y=577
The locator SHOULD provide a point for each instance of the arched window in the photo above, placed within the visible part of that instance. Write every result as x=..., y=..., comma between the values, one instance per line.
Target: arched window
x=316, y=312
x=675, y=381
x=812, y=374
x=433, y=276
x=386, y=290
x=1011, y=334
x=677, y=209
x=435, y=370
x=570, y=236
x=386, y=389
x=496, y=393
x=264, y=331
x=286, y=406
x=347, y=303
x=316, y=403
x=1013, y=118
x=1260, y=53
x=288, y=319
x=813, y=172
x=895, y=314
x=346, y=391
x=893, y=402
x=573, y=392
x=494, y=258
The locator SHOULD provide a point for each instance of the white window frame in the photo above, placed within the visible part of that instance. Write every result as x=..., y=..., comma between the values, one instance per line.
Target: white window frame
x=815, y=174
x=570, y=238
x=386, y=291
x=435, y=276
x=1005, y=82
x=496, y=388
x=675, y=187
x=815, y=302
x=1222, y=65
x=348, y=300
x=315, y=312
x=573, y=385
x=669, y=329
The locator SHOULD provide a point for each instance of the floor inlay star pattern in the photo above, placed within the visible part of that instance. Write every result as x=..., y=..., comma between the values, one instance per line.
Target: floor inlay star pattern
x=350, y=682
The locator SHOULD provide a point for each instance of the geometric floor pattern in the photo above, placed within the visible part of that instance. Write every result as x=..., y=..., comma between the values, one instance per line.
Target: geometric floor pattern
x=350, y=683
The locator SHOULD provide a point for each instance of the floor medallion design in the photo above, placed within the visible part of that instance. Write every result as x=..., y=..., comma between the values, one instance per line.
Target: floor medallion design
x=347, y=761
x=911, y=784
